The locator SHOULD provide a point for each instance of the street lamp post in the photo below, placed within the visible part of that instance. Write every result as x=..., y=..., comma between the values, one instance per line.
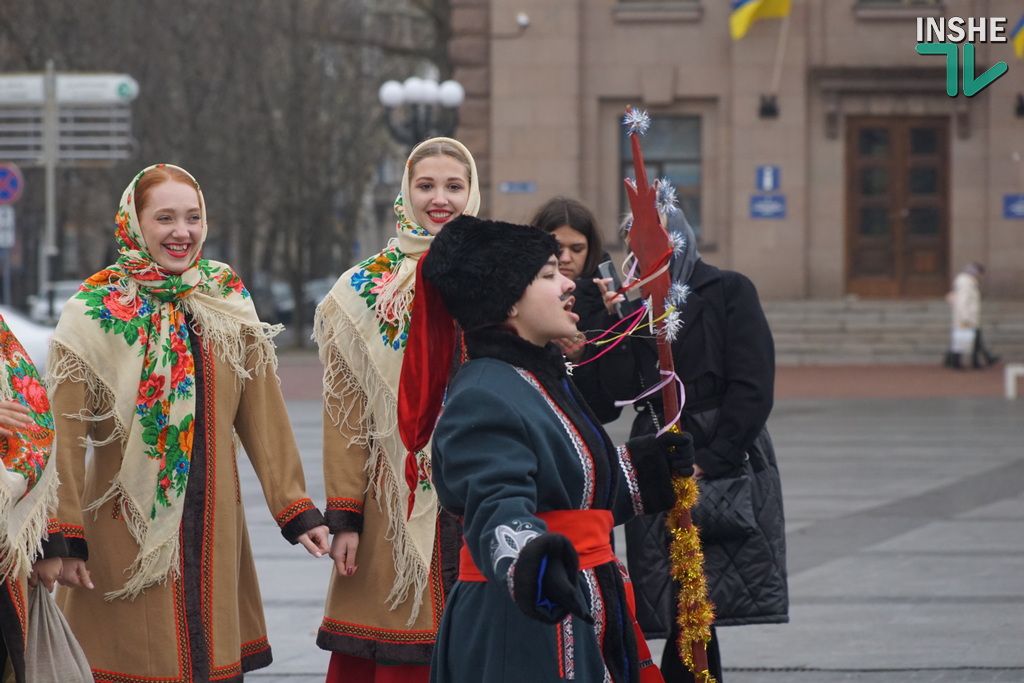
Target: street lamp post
x=423, y=117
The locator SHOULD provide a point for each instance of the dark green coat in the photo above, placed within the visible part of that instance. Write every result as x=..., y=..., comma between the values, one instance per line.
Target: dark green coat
x=516, y=439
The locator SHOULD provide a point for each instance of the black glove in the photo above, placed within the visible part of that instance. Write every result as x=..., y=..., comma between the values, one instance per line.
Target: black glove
x=713, y=465
x=549, y=560
x=678, y=449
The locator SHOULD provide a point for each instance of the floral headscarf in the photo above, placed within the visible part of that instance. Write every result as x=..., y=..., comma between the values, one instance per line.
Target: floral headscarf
x=126, y=333
x=385, y=281
x=361, y=328
x=28, y=483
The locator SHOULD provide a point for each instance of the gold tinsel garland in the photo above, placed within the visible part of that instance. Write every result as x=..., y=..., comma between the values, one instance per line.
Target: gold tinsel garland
x=695, y=612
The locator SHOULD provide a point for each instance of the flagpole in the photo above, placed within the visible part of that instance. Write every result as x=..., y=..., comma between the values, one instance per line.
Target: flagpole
x=779, y=53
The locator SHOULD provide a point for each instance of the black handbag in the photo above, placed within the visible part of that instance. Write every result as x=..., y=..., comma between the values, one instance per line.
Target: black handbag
x=724, y=515
x=725, y=509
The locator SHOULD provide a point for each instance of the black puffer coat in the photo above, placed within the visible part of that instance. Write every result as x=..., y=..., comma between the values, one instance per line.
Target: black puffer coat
x=725, y=356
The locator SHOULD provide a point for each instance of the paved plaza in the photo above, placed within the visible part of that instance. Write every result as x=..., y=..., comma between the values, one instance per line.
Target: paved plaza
x=905, y=521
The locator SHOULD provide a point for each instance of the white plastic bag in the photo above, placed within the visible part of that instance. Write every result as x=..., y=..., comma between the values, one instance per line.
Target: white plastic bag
x=963, y=339
x=52, y=654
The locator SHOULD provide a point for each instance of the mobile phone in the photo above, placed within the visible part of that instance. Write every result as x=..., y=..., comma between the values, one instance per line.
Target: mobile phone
x=606, y=270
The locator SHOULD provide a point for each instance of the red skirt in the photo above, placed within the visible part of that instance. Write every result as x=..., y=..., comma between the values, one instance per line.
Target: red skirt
x=349, y=669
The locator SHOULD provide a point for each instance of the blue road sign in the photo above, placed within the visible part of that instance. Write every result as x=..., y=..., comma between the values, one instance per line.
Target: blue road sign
x=768, y=179
x=767, y=206
x=1013, y=206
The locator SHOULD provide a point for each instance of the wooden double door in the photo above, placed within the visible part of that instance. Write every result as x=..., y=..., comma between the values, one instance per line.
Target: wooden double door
x=897, y=206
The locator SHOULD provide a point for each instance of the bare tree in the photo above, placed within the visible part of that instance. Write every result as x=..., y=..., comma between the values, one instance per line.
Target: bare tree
x=270, y=103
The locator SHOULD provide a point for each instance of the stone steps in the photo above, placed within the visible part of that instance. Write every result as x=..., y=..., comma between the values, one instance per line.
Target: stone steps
x=854, y=331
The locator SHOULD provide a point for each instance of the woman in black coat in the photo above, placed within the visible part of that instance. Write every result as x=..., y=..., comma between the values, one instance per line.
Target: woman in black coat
x=580, y=251
x=725, y=356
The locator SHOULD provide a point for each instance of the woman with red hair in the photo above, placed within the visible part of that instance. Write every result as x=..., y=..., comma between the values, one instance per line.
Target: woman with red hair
x=162, y=368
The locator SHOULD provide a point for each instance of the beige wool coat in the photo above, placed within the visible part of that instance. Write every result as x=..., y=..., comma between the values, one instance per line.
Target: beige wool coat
x=358, y=619
x=206, y=621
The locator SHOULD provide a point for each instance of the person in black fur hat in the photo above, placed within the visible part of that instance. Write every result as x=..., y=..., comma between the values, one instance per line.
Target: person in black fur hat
x=481, y=268
x=522, y=459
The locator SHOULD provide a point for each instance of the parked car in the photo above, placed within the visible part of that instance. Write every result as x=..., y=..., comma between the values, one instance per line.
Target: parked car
x=313, y=292
x=273, y=299
x=35, y=338
x=40, y=308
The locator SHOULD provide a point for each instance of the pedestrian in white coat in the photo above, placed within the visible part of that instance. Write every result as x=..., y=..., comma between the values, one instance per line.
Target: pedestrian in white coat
x=965, y=304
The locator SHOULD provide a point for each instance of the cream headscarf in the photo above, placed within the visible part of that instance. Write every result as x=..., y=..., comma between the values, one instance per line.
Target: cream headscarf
x=361, y=328
x=125, y=335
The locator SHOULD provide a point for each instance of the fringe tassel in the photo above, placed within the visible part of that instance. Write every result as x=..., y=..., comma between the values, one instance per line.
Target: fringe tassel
x=69, y=367
x=242, y=345
x=395, y=296
x=151, y=566
x=18, y=553
x=128, y=288
x=376, y=425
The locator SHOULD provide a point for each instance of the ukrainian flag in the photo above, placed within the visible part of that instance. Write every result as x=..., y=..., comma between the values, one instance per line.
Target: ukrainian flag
x=1017, y=38
x=746, y=12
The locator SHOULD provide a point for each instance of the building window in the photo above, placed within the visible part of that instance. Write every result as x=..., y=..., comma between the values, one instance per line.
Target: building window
x=672, y=149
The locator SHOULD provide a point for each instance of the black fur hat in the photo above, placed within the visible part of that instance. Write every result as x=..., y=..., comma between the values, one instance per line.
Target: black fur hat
x=481, y=268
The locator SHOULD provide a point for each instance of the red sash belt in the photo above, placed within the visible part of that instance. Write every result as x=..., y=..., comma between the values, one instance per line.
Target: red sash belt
x=590, y=533
x=589, y=530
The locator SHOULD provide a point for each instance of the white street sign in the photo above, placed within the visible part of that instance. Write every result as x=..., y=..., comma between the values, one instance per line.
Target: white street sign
x=28, y=89
x=21, y=89
x=6, y=226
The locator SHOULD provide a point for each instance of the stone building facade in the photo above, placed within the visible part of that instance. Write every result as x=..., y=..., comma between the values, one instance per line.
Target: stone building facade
x=820, y=154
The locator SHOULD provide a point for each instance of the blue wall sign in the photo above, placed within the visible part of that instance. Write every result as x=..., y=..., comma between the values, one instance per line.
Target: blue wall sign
x=767, y=206
x=768, y=179
x=1013, y=206
x=517, y=188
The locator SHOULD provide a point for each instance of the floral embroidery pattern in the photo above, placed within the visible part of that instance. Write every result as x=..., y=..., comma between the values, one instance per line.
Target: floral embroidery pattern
x=160, y=336
x=132, y=320
x=508, y=542
x=368, y=279
x=371, y=278
x=404, y=223
x=168, y=369
x=423, y=471
x=27, y=454
x=227, y=280
x=167, y=442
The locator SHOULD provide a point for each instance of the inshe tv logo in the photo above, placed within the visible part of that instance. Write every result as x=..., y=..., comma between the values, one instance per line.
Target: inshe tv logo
x=941, y=36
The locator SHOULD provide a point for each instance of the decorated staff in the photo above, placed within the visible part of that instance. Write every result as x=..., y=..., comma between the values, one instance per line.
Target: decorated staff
x=653, y=249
